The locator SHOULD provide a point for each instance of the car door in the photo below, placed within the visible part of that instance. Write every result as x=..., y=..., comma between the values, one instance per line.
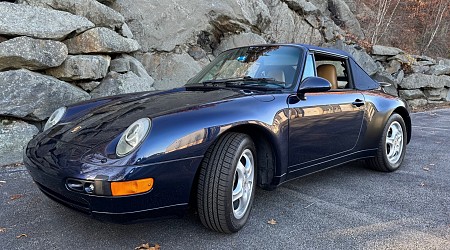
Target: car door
x=324, y=125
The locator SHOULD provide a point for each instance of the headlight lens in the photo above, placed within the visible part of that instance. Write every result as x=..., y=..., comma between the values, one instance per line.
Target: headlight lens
x=55, y=118
x=133, y=136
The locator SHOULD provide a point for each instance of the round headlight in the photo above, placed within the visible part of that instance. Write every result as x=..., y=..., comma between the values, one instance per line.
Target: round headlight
x=133, y=136
x=55, y=118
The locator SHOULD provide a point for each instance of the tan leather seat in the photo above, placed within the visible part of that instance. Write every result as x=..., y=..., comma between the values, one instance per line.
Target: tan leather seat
x=328, y=71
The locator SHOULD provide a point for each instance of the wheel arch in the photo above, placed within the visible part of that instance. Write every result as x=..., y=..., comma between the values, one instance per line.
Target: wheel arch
x=407, y=119
x=268, y=155
x=267, y=152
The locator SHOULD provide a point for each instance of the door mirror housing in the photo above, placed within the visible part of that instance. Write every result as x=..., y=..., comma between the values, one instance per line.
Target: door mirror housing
x=314, y=84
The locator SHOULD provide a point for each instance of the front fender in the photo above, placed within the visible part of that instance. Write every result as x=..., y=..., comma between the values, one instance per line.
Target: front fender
x=192, y=132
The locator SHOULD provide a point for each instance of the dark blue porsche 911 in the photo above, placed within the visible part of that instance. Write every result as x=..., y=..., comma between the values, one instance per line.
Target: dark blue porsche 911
x=257, y=115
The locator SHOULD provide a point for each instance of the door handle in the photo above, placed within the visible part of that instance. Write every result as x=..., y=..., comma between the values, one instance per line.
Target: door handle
x=358, y=102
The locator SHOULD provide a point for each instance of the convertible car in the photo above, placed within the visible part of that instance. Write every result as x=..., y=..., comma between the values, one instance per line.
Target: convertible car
x=256, y=116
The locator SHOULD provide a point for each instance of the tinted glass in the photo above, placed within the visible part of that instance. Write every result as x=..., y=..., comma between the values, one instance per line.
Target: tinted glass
x=361, y=79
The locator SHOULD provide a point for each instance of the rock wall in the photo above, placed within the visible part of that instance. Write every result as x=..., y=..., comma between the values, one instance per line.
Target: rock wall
x=420, y=80
x=57, y=52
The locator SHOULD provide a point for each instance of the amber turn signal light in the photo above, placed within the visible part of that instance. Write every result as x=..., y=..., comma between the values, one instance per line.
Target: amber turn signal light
x=121, y=188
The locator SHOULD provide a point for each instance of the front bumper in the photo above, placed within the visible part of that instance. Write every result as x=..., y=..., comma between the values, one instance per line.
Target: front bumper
x=169, y=196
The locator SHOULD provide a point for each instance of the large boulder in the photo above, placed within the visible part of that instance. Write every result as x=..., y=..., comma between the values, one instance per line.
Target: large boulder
x=239, y=40
x=14, y=135
x=344, y=17
x=288, y=26
x=101, y=40
x=30, y=53
x=170, y=70
x=439, y=69
x=385, y=50
x=24, y=20
x=436, y=94
x=153, y=22
x=115, y=83
x=134, y=78
x=411, y=94
x=99, y=14
x=34, y=96
x=81, y=67
x=138, y=69
x=416, y=81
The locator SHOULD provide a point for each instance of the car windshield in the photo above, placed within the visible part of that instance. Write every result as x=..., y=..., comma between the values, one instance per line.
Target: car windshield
x=271, y=66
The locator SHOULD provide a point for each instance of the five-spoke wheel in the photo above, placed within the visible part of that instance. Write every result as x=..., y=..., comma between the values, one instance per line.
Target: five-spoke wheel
x=243, y=184
x=394, y=142
x=227, y=182
x=391, y=149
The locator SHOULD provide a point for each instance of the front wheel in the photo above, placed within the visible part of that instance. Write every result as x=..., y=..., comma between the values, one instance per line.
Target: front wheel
x=226, y=185
x=392, y=147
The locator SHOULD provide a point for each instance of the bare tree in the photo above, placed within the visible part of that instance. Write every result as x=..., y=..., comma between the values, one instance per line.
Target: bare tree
x=435, y=26
x=381, y=23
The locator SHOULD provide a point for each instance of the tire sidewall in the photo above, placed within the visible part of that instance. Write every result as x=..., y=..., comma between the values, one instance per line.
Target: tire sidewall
x=399, y=119
x=233, y=223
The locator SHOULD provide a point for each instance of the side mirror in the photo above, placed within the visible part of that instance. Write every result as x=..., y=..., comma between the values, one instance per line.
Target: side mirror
x=314, y=84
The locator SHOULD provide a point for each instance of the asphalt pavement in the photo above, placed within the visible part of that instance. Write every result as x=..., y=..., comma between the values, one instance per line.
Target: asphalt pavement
x=348, y=207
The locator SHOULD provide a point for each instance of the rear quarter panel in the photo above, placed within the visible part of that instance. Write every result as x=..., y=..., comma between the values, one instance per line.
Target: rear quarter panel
x=379, y=107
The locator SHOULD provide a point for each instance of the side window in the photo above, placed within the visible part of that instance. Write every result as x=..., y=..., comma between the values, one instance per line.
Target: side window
x=334, y=70
x=309, y=67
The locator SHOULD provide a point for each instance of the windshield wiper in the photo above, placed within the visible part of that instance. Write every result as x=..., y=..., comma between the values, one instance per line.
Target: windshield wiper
x=244, y=81
x=215, y=81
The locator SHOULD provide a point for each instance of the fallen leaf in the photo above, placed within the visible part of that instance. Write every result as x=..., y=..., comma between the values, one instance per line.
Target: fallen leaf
x=422, y=184
x=2, y=182
x=426, y=169
x=2, y=230
x=15, y=196
x=272, y=222
x=147, y=246
x=432, y=164
x=22, y=235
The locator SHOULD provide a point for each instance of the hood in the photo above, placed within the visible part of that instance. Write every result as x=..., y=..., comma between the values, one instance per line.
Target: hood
x=104, y=123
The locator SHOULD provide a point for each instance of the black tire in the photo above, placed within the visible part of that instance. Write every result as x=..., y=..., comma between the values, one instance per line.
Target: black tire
x=216, y=182
x=381, y=161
